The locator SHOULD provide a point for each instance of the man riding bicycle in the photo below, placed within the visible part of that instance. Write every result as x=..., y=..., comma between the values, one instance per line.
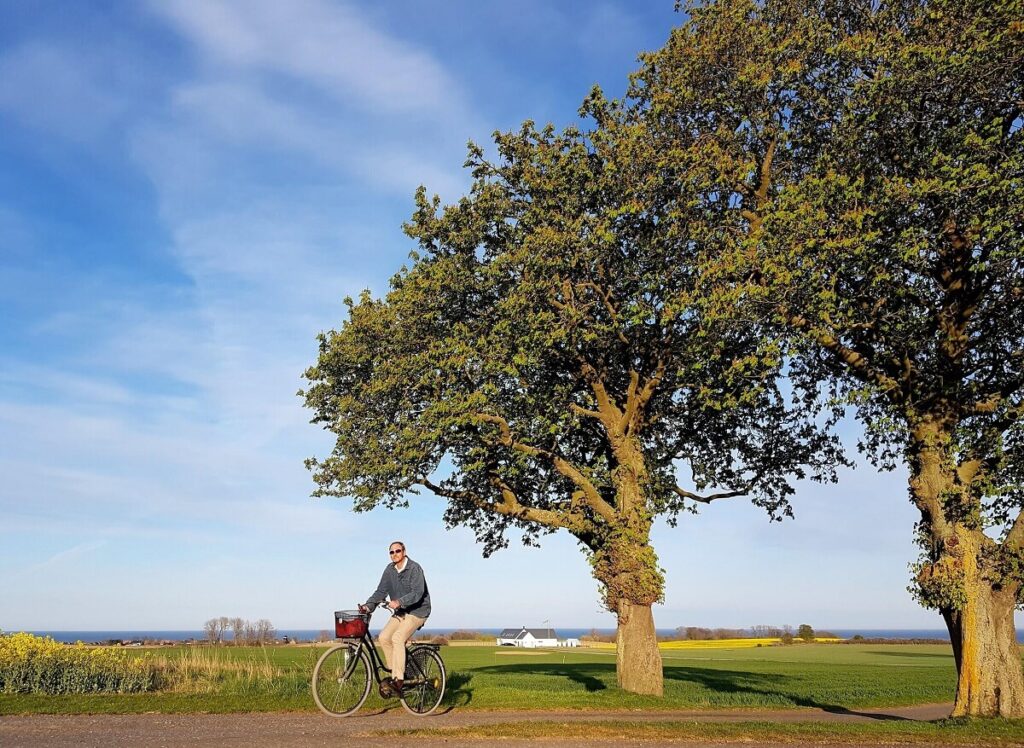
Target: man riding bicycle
x=405, y=586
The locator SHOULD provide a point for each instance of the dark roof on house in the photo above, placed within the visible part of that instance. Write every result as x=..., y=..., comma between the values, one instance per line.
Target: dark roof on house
x=543, y=633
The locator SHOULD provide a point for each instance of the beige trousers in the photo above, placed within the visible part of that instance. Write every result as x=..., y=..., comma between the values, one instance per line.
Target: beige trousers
x=392, y=640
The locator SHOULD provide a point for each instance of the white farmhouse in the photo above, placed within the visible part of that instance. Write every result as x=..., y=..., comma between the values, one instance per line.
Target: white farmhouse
x=530, y=638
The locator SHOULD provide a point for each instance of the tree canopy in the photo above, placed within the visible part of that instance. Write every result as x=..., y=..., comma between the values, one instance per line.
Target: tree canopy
x=872, y=155
x=544, y=363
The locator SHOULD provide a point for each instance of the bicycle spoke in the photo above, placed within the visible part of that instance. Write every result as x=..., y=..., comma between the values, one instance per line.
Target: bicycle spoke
x=341, y=680
x=425, y=675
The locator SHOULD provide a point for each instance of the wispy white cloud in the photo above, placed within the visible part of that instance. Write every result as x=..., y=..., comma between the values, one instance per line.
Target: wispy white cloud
x=69, y=554
x=56, y=89
x=326, y=45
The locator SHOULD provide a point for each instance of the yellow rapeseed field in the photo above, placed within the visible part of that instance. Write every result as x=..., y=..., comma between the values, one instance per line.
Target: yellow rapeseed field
x=38, y=664
x=715, y=643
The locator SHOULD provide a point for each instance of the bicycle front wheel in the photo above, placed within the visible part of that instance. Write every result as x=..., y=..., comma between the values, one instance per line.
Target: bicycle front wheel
x=425, y=681
x=341, y=680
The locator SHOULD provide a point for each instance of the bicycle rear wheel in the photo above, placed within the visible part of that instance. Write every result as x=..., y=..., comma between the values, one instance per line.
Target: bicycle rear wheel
x=341, y=680
x=425, y=681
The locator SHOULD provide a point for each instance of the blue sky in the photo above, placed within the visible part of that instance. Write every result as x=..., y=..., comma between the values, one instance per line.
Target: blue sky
x=188, y=189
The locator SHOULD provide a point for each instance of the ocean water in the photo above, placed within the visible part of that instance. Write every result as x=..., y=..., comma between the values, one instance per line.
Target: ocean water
x=564, y=633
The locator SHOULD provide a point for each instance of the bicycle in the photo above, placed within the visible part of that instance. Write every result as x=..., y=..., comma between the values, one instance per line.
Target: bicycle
x=344, y=674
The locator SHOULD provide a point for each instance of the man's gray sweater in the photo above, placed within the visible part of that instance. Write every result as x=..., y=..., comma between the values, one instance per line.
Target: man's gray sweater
x=409, y=587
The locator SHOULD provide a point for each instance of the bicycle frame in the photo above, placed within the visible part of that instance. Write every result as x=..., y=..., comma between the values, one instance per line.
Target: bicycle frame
x=366, y=642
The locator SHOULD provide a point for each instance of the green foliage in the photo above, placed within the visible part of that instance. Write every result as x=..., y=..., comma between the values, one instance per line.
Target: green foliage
x=868, y=161
x=805, y=632
x=548, y=362
x=939, y=584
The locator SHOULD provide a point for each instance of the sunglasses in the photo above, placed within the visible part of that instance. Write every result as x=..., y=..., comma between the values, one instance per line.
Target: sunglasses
x=395, y=552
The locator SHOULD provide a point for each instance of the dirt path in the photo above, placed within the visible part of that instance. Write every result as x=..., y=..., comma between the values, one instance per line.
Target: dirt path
x=291, y=730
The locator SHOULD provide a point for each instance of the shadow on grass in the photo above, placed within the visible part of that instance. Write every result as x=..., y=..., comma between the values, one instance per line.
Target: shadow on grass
x=586, y=675
x=456, y=692
x=929, y=655
x=595, y=677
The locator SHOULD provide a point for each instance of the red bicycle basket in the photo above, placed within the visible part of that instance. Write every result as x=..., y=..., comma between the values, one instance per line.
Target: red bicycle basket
x=349, y=624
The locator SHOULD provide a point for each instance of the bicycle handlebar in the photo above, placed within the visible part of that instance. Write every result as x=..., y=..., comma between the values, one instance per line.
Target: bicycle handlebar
x=382, y=604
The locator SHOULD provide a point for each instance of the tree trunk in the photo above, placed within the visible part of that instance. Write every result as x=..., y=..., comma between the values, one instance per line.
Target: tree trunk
x=990, y=681
x=966, y=577
x=637, y=658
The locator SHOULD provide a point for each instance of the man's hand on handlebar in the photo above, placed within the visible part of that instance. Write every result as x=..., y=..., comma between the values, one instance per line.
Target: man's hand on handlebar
x=389, y=604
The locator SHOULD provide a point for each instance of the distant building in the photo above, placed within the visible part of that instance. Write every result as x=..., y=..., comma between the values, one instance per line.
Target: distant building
x=531, y=638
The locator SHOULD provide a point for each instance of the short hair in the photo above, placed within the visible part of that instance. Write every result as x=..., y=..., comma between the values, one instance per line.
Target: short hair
x=396, y=542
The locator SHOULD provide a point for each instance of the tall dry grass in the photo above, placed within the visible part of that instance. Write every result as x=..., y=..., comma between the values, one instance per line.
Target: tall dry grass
x=211, y=670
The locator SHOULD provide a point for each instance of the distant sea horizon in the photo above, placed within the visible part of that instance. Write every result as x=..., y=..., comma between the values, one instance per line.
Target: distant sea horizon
x=103, y=635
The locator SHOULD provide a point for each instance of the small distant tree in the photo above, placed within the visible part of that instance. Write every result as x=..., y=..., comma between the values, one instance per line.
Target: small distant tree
x=214, y=630
x=805, y=632
x=265, y=631
x=696, y=633
x=237, y=629
x=786, y=638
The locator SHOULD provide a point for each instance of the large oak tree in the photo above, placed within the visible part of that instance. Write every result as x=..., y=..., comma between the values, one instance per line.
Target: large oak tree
x=873, y=156
x=544, y=364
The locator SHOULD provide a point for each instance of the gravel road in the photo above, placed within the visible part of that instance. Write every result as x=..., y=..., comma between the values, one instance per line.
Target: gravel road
x=295, y=730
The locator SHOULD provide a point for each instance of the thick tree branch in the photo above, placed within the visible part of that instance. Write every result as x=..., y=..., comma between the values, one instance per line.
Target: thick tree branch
x=563, y=466
x=637, y=397
x=683, y=493
x=1015, y=537
x=610, y=412
x=580, y=410
x=509, y=506
x=857, y=362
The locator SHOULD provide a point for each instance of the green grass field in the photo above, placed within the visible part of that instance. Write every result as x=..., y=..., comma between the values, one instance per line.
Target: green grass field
x=487, y=677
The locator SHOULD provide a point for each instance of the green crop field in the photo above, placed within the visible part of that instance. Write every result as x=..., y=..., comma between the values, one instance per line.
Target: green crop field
x=226, y=679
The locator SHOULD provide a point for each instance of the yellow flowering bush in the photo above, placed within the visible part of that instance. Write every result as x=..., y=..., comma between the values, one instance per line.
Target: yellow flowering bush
x=35, y=664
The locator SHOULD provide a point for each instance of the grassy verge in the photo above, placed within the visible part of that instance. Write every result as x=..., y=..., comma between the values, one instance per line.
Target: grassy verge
x=950, y=732
x=205, y=679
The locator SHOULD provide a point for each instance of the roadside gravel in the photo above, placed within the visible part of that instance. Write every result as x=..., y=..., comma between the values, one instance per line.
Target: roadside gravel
x=306, y=730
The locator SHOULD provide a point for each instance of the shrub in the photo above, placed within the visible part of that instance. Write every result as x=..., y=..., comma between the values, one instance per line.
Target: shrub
x=805, y=632
x=786, y=638
x=34, y=664
x=439, y=640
